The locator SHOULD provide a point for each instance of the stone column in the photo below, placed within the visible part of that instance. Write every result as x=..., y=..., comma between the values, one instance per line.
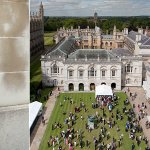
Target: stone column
x=14, y=74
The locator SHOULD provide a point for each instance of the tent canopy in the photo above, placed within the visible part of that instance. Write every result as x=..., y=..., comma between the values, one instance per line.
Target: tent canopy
x=103, y=90
x=148, y=118
x=34, y=110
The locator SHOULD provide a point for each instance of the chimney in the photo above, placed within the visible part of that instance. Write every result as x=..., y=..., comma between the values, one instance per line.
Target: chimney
x=125, y=31
x=138, y=37
x=140, y=30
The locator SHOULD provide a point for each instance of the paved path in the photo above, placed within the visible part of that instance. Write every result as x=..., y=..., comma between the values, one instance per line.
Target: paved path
x=39, y=130
x=138, y=100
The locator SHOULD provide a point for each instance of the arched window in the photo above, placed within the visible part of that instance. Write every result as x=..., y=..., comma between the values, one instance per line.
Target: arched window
x=106, y=44
x=110, y=43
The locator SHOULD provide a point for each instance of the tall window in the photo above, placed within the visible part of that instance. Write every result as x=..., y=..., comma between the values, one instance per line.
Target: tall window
x=128, y=81
x=128, y=68
x=113, y=73
x=110, y=43
x=80, y=73
x=103, y=73
x=91, y=72
x=70, y=73
x=55, y=69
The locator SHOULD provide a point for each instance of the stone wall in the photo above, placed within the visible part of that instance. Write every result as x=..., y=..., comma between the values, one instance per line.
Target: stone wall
x=14, y=74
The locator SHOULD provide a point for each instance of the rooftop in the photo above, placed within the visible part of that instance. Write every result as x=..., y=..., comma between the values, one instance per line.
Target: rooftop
x=145, y=40
x=122, y=52
x=91, y=54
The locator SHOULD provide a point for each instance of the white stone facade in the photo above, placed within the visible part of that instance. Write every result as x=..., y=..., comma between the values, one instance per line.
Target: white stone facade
x=146, y=83
x=74, y=73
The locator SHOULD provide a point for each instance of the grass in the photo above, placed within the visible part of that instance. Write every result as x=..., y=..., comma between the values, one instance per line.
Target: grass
x=35, y=71
x=48, y=38
x=36, y=78
x=57, y=116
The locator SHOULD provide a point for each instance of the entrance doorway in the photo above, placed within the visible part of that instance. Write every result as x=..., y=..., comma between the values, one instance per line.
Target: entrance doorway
x=113, y=85
x=81, y=87
x=103, y=83
x=71, y=87
x=92, y=87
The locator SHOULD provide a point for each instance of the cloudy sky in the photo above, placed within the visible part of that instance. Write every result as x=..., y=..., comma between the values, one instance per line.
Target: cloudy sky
x=87, y=7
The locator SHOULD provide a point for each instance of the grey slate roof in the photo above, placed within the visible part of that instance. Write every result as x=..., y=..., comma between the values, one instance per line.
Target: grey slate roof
x=107, y=36
x=65, y=47
x=145, y=40
x=121, y=52
x=91, y=54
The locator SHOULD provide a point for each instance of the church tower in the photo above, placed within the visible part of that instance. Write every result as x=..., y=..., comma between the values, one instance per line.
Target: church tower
x=41, y=11
x=41, y=15
x=95, y=18
x=114, y=32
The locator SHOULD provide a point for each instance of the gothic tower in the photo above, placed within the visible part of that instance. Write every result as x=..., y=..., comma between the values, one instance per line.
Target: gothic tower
x=41, y=11
x=95, y=18
x=114, y=32
x=41, y=15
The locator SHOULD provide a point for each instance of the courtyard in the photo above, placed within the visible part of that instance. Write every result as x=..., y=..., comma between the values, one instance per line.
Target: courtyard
x=67, y=102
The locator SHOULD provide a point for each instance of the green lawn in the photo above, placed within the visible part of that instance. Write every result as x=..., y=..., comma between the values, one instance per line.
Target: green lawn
x=48, y=38
x=36, y=78
x=57, y=116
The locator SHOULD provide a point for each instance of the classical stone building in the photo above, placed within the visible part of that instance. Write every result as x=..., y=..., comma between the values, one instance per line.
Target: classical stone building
x=82, y=69
x=137, y=42
x=93, y=38
x=37, y=31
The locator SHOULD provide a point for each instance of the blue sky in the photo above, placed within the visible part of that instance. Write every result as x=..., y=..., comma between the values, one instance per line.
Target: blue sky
x=87, y=7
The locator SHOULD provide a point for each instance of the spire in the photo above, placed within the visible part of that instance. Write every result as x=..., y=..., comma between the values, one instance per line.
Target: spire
x=115, y=28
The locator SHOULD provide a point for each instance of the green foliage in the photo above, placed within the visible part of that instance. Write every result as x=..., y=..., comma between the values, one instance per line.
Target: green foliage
x=35, y=81
x=105, y=23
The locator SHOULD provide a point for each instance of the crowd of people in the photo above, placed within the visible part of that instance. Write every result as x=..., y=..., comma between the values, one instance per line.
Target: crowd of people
x=73, y=138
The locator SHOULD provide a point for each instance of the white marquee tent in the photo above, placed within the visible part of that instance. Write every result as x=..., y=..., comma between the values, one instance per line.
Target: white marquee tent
x=35, y=109
x=103, y=90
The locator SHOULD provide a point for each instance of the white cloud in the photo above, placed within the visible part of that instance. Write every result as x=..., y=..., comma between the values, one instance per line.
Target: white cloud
x=86, y=7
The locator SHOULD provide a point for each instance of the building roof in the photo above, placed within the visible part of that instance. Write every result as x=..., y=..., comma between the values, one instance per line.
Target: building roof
x=122, y=52
x=91, y=54
x=145, y=40
x=107, y=36
x=65, y=47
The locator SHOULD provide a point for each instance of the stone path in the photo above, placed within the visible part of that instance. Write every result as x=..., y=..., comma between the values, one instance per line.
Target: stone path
x=138, y=100
x=39, y=130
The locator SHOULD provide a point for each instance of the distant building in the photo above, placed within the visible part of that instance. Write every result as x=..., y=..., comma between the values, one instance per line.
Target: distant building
x=137, y=42
x=93, y=38
x=82, y=69
x=37, y=31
